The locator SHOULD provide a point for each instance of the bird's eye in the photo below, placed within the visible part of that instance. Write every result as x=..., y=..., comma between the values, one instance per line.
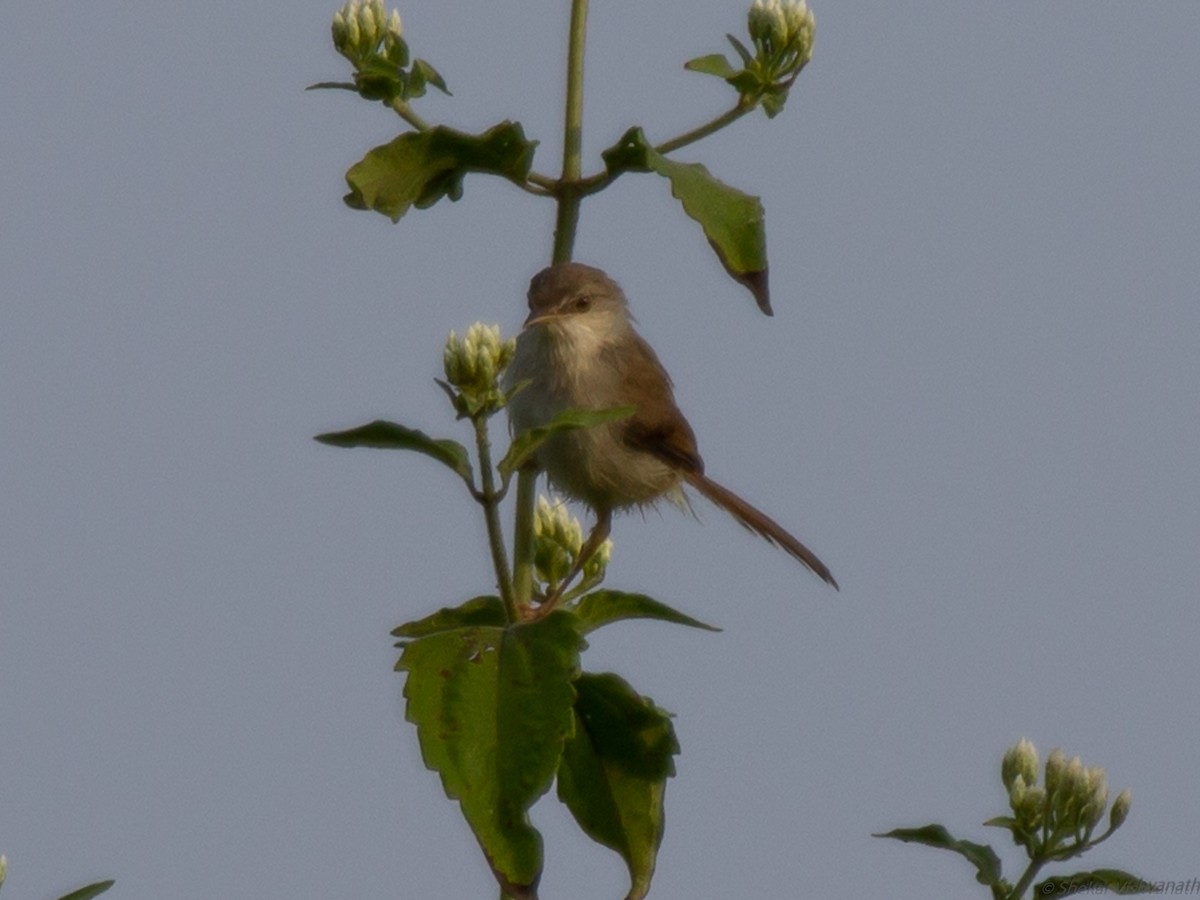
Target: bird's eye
x=583, y=304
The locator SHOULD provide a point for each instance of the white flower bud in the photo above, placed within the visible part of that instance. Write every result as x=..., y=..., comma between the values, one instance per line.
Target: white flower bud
x=1096, y=782
x=1120, y=809
x=394, y=31
x=801, y=28
x=368, y=26
x=1021, y=759
x=767, y=23
x=1056, y=764
x=3, y=867
x=353, y=29
x=338, y=29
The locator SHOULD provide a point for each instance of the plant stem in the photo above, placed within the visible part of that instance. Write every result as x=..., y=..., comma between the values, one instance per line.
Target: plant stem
x=404, y=111
x=568, y=185
x=1018, y=891
x=598, y=182
x=491, y=513
x=523, y=540
x=568, y=195
x=690, y=137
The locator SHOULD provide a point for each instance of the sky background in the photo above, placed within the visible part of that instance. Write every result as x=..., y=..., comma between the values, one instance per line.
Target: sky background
x=977, y=402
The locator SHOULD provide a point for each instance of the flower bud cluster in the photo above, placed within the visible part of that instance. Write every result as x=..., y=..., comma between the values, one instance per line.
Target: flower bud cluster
x=558, y=540
x=1069, y=805
x=363, y=28
x=783, y=32
x=473, y=365
x=3, y=867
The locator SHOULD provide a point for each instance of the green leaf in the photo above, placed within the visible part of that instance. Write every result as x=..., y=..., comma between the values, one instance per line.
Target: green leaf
x=430, y=75
x=746, y=55
x=332, y=86
x=603, y=607
x=773, y=101
x=92, y=890
x=712, y=64
x=418, y=168
x=525, y=444
x=983, y=857
x=614, y=770
x=486, y=610
x=391, y=436
x=1098, y=880
x=732, y=221
x=493, y=707
x=1001, y=822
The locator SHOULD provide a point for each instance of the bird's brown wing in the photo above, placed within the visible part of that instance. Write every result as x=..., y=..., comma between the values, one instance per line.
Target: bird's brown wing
x=658, y=427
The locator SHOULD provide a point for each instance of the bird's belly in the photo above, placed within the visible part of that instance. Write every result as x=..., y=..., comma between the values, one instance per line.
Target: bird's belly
x=595, y=466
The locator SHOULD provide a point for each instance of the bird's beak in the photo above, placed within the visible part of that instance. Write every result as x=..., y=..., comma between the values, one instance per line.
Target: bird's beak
x=538, y=318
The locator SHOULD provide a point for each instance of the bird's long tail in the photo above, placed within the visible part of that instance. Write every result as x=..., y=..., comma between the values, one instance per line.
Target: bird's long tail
x=760, y=523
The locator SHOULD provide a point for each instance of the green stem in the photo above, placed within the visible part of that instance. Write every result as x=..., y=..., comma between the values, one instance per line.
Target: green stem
x=598, y=182
x=690, y=137
x=1018, y=891
x=491, y=513
x=568, y=186
x=404, y=111
x=567, y=193
x=523, y=539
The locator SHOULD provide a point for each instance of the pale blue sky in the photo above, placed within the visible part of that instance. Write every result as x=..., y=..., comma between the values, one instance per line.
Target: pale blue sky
x=977, y=402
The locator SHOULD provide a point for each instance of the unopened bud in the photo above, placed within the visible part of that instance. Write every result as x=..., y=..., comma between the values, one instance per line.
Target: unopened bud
x=1030, y=808
x=3, y=867
x=1120, y=809
x=1096, y=782
x=801, y=27
x=1021, y=759
x=767, y=24
x=1056, y=764
x=394, y=31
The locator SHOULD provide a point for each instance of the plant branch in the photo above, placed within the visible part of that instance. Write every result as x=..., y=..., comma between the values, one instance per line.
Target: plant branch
x=743, y=106
x=566, y=192
x=404, y=111
x=599, y=181
x=491, y=513
x=523, y=536
x=567, y=188
x=1018, y=891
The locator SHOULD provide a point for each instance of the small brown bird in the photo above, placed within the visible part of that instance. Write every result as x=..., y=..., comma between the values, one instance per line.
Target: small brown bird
x=579, y=350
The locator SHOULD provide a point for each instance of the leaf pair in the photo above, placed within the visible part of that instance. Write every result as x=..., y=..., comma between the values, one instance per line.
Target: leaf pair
x=420, y=168
x=502, y=710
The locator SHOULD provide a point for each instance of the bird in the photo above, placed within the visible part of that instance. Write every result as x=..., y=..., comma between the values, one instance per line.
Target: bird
x=578, y=349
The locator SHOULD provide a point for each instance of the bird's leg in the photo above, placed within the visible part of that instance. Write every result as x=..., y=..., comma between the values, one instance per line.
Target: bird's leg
x=599, y=535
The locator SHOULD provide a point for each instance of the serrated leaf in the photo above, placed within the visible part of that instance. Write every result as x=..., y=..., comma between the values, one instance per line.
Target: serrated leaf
x=392, y=436
x=603, y=607
x=493, y=707
x=486, y=610
x=614, y=770
x=92, y=890
x=712, y=64
x=732, y=221
x=1113, y=881
x=983, y=857
x=525, y=444
x=418, y=168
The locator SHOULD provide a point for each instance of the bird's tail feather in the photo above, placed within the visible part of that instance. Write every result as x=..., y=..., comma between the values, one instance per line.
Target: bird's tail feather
x=760, y=523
